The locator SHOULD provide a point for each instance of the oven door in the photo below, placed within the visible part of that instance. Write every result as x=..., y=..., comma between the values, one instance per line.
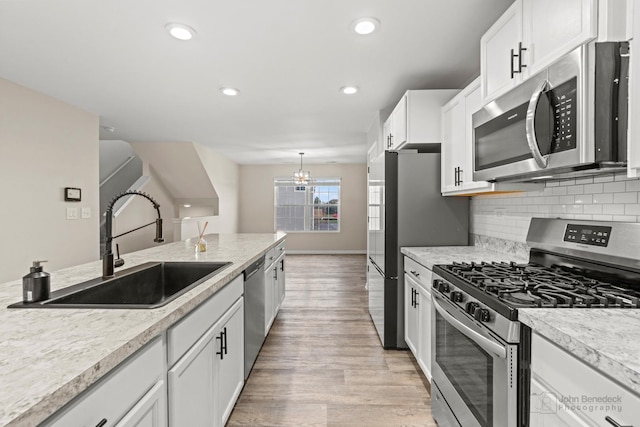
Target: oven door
x=474, y=371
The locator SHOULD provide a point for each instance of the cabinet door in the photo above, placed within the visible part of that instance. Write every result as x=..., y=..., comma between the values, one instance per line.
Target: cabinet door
x=410, y=315
x=633, y=150
x=268, y=299
x=386, y=131
x=424, y=331
x=191, y=385
x=472, y=103
x=230, y=360
x=453, y=148
x=150, y=411
x=496, y=61
x=399, y=124
x=552, y=28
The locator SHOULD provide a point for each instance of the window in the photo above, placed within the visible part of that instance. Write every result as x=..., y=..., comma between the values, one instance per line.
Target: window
x=313, y=207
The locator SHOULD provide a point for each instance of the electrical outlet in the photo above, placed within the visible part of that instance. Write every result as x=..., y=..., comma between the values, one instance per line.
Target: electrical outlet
x=72, y=213
x=86, y=212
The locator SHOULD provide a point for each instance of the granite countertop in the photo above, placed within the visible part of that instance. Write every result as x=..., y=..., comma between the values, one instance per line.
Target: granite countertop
x=49, y=356
x=430, y=256
x=607, y=339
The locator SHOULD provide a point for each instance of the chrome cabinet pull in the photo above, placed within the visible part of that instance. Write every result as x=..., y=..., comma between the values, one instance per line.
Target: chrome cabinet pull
x=102, y=422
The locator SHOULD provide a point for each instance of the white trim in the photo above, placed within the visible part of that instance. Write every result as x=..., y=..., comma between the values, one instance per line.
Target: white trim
x=326, y=252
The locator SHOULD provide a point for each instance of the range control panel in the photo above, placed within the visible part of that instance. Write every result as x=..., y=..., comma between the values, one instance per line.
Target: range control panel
x=588, y=234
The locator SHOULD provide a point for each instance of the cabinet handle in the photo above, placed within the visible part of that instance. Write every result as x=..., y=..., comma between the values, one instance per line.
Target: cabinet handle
x=412, y=296
x=416, y=303
x=415, y=273
x=519, y=56
x=459, y=176
x=223, y=343
x=613, y=422
x=520, y=50
x=102, y=422
x=282, y=266
x=275, y=273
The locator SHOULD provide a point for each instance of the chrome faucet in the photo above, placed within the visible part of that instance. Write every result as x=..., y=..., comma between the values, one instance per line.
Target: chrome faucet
x=107, y=259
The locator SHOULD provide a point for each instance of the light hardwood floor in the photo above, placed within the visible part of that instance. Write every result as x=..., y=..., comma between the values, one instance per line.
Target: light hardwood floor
x=322, y=363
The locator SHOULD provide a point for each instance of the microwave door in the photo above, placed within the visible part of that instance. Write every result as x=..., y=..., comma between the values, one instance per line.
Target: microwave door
x=540, y=124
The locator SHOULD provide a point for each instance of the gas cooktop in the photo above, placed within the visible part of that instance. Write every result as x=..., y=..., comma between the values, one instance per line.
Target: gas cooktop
x=531, y=285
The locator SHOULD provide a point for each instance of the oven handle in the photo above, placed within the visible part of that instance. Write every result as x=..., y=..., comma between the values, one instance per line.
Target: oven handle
x=489, y=345
x=532, y=141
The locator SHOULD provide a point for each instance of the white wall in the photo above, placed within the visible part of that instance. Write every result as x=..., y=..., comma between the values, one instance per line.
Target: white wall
x=45, y=145
x=602, y=198
x=225, y=177
x=257, y=206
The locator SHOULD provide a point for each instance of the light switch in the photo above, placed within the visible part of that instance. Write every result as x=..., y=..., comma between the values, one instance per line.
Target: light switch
x=72, y=213
x=86, y=212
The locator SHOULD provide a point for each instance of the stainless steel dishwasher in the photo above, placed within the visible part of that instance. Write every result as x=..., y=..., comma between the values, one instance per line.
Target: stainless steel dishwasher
x=254, y=306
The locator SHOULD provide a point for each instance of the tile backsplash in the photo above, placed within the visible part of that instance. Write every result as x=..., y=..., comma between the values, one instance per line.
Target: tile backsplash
x=611, y=197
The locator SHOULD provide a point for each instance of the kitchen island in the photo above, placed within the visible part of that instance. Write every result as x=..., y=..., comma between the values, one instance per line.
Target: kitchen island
x=50, y=356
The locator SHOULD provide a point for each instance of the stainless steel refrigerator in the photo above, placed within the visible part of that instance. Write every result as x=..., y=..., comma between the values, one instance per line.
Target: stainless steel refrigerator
x=405, y=209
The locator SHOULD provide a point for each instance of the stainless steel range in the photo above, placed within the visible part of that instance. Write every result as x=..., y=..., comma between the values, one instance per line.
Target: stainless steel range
x=481, y=352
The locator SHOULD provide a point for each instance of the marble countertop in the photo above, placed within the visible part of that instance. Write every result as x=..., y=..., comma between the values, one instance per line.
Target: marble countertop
x=430, y=256
x=607, y=339
x=49, y=356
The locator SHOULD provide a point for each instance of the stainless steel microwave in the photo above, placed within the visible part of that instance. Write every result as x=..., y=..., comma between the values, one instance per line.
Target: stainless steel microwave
x=570, y=119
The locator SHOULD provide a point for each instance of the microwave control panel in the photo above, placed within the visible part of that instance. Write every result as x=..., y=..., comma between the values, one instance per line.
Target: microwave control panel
x=563, y=101
x=594, y=235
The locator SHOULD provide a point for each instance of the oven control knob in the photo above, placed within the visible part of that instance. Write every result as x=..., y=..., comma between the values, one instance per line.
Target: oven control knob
x=436, y=283
x=482, y=315
x=443, y=286
x=455, y=296
x=471, y=307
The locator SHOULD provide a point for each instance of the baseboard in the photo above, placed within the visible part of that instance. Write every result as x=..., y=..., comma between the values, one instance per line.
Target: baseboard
x=326, y=252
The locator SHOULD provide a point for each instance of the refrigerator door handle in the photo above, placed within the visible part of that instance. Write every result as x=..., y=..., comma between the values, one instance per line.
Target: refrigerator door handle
x=380, y=270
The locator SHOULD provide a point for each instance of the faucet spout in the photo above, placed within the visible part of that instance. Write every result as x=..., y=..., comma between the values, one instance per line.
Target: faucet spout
x=108, y=259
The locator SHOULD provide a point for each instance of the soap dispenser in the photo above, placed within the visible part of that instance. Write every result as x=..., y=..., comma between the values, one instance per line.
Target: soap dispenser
x=36, y=284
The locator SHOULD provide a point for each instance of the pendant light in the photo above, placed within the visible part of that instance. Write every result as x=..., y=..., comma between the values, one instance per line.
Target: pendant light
x=301, y=177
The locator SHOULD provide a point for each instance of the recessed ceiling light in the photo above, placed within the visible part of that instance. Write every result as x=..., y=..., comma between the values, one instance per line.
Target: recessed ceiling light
x=365, y=26
x=181, y=31
x=108, y=128
x=187, y=206
x=349, y=90
x=229, y=91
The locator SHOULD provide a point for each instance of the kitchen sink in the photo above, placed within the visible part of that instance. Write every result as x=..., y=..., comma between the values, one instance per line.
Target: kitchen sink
x=148, y=285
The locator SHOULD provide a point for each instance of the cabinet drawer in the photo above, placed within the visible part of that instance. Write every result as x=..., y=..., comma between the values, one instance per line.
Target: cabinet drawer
x=185, y=333
x=566, y=388
x=112, y=396
x=418, y=272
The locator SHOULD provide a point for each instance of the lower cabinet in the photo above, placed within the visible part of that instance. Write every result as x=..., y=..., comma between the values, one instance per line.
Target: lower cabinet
x=274, y=281
x=150, y=411
x=417, y=313
x=133, y=394
x=205, y=382
x=565, y=391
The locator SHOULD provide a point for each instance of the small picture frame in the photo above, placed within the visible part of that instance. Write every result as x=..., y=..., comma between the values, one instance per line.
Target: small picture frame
x=72, y=194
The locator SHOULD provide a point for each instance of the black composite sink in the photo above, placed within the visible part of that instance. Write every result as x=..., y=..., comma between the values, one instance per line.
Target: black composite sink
x=149, y=285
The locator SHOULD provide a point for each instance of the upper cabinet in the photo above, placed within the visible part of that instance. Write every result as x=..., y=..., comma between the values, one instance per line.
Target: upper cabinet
x=457, y=151
x=416, y=118
x=633, y=147
x=529, y=36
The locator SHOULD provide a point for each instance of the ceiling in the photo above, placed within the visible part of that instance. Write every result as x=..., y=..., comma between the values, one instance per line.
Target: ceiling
x=288, y=58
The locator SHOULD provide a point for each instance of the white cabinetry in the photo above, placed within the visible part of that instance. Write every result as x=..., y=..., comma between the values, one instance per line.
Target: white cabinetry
x=457, y=148
x=531, y=35
x=416, y=118
x=565, y=391
x=633, y=147
x=133, y=394
x=274, y=281
x=206, y=355
x=417, y=313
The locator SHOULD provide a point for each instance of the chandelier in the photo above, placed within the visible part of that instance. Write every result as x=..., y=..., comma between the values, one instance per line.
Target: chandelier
x=301, y=177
